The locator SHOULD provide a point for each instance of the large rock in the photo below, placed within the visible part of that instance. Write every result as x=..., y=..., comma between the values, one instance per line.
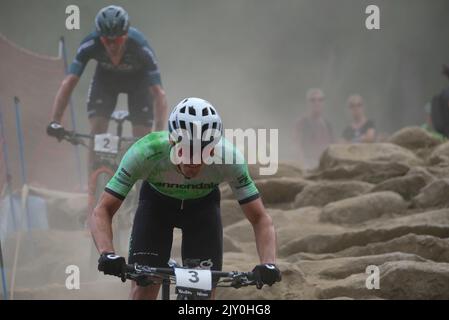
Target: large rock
x=363, y=208
x=372, y=172
x=280, y=190
x=322, y=193
x=414, y=138
x=290, y=170
x=435, y=223
x=372, y=163
x=428, y=247
x=440, y=154
x=407, y=186
x=433, y=195
x=414, y=280
x=343, y=267
x=340, y=154
x=353, y=286
x=397, y=280
x=423, y=172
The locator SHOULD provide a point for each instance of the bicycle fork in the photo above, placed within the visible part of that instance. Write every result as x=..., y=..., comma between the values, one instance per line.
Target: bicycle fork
x=166, y=289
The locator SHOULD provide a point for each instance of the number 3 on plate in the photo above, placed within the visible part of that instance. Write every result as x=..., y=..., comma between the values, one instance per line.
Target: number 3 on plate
x=194, y=278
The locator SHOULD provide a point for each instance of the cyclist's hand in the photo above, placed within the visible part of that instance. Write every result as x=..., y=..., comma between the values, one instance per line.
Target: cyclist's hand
x=54, y=129
x=112, y=264
x=266, y=273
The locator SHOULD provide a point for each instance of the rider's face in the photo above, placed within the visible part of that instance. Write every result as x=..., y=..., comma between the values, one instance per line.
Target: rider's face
x=114, y=45
x=190, y=170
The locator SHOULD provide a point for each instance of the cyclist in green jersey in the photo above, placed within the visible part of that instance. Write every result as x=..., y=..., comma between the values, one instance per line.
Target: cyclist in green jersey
x=179, y=192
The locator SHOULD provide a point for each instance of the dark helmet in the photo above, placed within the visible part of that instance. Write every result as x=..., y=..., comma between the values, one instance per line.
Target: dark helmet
x=112, y=21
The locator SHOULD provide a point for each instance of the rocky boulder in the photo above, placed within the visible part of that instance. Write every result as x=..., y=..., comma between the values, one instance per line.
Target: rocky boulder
x=407, y=186
x=433, y=195
x=363, y=208
x=322, y=193
x=414, y=138
x=280, y=190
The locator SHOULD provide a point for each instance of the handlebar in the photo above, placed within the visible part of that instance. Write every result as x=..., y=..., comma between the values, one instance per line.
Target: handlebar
x=76, y=138
x=233, y=279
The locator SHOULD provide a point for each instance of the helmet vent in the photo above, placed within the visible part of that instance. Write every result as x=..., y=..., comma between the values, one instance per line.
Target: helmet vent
x=182, y=124
x=205, y=112
x=214, y=125
x=212, y=111
x=173, y=123
x=117, y=14
x=183, y=110
x=192, y=111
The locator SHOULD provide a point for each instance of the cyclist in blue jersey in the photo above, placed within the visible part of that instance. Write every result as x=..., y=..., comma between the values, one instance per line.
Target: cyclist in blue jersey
x=126, y=64
x=182, y=194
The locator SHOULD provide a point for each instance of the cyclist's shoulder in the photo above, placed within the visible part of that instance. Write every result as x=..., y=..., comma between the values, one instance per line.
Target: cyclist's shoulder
x=89, y=42
x=232, y=158
x=153, y=144
x=137, y=36
x=230, y=147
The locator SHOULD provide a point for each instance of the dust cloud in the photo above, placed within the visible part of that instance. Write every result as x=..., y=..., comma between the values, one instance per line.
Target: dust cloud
x=254, y=60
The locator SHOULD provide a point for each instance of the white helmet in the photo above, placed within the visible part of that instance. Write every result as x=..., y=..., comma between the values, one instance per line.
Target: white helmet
x=189, y=116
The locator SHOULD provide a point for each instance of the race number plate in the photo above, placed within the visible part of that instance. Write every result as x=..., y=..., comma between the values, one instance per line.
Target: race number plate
x=193, y=278
x=106, y=143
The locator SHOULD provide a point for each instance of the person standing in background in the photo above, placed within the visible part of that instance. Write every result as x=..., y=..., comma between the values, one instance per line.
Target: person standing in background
x=361, y=128
x=313, y=132
x=428, y=124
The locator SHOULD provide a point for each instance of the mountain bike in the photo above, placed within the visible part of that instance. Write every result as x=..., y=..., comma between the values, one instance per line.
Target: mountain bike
x=190, y=283
x=107, y=150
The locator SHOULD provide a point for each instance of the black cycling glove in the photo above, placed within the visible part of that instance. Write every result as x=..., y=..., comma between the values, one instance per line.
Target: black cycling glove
x=266, y=273
x=112, y=264
x=54, y=129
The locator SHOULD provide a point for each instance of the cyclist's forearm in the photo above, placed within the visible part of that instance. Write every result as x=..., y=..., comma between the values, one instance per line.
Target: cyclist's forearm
x=62, y=97
x=265, y=240
x=100, y=222
x=101, y=228
x=263, y=230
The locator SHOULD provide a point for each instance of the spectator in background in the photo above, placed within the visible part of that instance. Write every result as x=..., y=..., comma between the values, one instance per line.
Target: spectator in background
x=313, y=132
x=361, y=129
x=428, y=125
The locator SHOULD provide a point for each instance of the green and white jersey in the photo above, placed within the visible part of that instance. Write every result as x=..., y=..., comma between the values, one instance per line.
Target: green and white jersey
x=149, y=159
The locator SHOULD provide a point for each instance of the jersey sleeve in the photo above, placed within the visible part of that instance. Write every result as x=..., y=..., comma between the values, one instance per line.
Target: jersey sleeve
x=129, y=171
x=148, y=56
x=83, y=55
x=240, y=180
x=152, y=68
